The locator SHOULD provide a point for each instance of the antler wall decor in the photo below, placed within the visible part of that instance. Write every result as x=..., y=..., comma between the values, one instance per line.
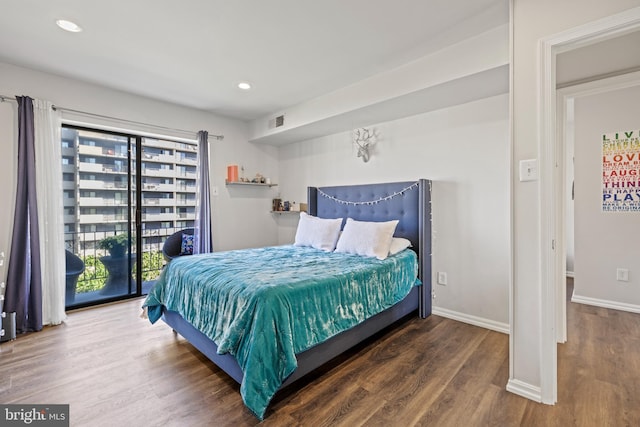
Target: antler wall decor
x=364, y=138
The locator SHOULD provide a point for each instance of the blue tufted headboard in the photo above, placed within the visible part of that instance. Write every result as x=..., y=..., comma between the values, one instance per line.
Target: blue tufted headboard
x=409, y=202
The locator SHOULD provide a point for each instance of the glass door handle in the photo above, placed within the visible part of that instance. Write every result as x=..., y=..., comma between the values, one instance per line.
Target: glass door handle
x=138, y=217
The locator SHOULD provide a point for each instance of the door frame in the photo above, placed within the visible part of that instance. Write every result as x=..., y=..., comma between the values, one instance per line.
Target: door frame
x=552, y=186
x=134, y=178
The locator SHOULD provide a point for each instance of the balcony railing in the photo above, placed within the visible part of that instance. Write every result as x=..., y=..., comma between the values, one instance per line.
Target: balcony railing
x=93, y=283
x=90, y=167
x=186, y=174
x=186, y=160
x=158, y=202
x=163, y=173
x=114, y=169
x=159, y=216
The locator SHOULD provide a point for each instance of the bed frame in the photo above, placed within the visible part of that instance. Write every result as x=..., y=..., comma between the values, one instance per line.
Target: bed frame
x=410, y=203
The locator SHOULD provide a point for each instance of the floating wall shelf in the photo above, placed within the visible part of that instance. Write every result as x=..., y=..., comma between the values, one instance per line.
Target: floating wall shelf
x=254, y=184
x=286, y=212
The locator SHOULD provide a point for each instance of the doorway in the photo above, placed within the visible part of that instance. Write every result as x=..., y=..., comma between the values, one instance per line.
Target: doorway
x=552, y=253
x=124, y=195
x=603, y=108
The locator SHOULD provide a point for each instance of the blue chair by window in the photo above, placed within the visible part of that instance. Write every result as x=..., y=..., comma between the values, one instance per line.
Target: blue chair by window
x=178, y=244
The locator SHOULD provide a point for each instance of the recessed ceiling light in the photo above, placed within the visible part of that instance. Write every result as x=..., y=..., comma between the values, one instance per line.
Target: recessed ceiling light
x=68, y=26
x=244, y=85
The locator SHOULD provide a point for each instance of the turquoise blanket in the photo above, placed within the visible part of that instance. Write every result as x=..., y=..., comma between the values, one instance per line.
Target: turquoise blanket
x=265, y=305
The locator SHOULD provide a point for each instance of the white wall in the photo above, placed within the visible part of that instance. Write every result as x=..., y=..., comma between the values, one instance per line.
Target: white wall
x=569, y=167
x=532, y=21
x=8, y=172
x=240, y=216
x=463, y=149
x=605, y=241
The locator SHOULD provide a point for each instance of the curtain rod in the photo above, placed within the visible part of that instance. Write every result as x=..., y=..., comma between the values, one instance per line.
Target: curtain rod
x=4, y=98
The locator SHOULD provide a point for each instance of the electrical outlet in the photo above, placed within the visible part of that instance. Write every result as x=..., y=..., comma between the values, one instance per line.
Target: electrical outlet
x=622, y=275
x=442, y=278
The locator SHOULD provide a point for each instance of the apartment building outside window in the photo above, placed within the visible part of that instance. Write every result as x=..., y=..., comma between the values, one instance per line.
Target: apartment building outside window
x=102, y=172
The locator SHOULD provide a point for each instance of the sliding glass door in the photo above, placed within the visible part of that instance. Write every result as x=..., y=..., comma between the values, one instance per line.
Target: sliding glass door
x=167, y=199
x=123, y=196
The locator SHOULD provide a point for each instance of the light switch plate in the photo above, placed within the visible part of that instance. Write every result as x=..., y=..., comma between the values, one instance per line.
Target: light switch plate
x=528, y=170
x=442, y=278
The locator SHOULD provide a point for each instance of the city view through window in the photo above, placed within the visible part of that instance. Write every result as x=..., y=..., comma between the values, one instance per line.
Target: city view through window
x=107, y=250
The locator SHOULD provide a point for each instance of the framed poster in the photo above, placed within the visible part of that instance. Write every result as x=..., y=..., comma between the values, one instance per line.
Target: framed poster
x=621, y=171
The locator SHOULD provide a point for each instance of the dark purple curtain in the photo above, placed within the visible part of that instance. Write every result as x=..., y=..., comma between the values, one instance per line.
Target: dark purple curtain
x=203, y=236
x=24, y=288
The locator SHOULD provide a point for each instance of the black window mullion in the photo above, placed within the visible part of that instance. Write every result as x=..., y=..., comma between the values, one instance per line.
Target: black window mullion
x=138, y=214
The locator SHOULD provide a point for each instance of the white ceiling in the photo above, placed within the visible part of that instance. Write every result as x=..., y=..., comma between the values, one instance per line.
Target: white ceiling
x=195, y=52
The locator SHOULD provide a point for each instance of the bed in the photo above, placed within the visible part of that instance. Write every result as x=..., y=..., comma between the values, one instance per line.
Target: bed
x=262, y=347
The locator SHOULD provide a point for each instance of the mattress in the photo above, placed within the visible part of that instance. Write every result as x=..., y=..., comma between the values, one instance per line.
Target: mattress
x=265, y=305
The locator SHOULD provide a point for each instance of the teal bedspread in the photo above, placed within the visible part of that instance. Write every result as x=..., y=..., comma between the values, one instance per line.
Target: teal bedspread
x=265, y=305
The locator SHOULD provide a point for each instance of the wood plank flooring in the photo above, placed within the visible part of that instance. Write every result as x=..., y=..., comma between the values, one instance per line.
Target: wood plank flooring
x=115, y=368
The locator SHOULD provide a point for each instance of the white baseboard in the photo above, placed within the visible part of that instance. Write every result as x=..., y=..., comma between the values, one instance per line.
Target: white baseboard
x=473, y=320
x=570, y=274
x=525, y=390
x=623, y=306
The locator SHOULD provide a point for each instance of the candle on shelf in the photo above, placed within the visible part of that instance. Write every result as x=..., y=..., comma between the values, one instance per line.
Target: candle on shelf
x=232, y=173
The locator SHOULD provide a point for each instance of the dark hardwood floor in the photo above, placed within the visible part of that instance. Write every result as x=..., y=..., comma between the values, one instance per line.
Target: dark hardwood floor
x=114, y=369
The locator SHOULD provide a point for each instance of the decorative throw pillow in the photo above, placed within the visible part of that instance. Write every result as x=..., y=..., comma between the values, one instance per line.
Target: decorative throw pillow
x=187, y=244
x=319, y=233
x=399, y=244
x=371, y=239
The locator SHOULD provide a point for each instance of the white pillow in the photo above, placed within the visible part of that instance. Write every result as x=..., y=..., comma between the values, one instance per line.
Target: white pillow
x=319, y=233
x=399, y=244
x=367, y=238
